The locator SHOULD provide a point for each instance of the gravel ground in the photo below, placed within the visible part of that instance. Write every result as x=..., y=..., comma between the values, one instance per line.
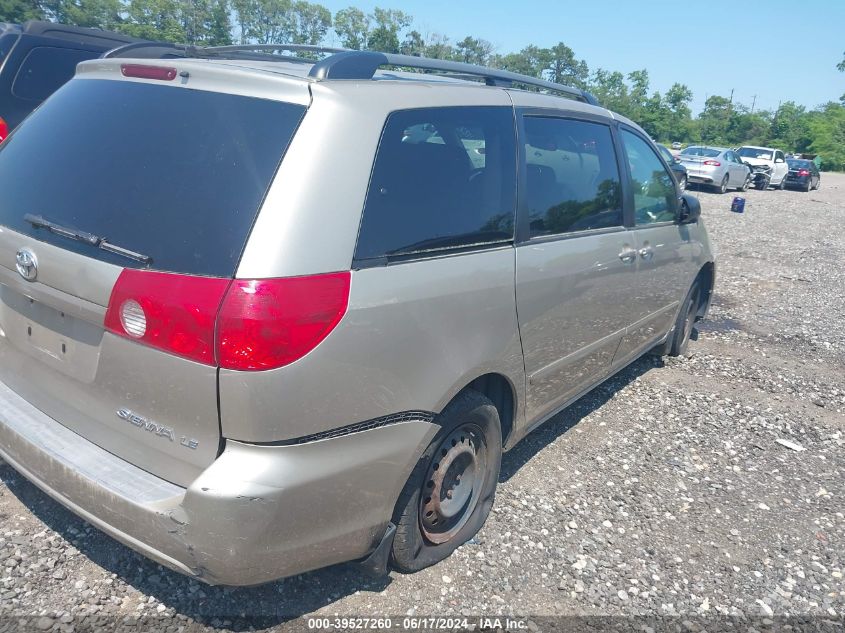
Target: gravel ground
x=665, y=492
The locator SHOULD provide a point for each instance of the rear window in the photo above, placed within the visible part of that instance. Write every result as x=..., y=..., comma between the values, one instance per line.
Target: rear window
x=799, y=164
x=443, y=178
x=177, y=175
x=46, y=69
x=701, y=151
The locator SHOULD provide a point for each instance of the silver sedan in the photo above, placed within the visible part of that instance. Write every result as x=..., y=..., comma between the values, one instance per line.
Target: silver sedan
x=716, y=167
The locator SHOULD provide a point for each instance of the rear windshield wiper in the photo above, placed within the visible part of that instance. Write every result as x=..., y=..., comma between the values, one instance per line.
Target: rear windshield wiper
x=96, y=241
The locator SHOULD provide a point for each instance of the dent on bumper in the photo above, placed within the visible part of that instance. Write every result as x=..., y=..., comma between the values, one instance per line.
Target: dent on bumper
x=255, y=514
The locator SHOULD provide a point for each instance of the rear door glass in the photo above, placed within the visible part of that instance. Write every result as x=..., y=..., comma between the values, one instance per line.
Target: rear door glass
x=444, y=178
x=46, y=69
x=177, y=175
x=572, y=177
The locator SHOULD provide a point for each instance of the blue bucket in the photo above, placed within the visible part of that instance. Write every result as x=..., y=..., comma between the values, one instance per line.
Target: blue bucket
x=738, y=205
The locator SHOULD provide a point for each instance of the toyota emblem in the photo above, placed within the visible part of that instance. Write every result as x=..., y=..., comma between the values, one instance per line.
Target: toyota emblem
x=27, y=264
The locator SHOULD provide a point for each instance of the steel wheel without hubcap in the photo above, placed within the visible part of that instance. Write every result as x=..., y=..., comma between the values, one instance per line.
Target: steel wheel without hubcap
x=453, y=484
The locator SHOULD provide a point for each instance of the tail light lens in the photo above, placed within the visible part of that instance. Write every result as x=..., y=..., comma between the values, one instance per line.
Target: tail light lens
x=803, y=172
x=173, y=313
x=4, y=130
x=270, y=323
x=245, y=325
x=714, y=163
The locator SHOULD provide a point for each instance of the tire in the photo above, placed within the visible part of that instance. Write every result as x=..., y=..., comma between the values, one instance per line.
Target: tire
x=430, y=527
x=782, y=185
x=762, y=184
x=809, y=186
x=745, y=184
x=679, y=336
x=682, y=184
x=722, y=188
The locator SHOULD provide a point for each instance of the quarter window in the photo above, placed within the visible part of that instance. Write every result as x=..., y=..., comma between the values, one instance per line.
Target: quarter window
x=444, y=178
x=572, y=178
x=46, y=69
x=655, y=198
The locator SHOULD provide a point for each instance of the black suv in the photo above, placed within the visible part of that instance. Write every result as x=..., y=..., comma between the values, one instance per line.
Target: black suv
x=37, y=58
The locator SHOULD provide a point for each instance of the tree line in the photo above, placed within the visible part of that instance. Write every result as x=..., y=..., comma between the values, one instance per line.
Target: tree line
x=666, y=117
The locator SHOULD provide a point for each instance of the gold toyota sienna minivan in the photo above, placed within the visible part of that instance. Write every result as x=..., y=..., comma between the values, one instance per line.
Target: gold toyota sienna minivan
x=260, y=315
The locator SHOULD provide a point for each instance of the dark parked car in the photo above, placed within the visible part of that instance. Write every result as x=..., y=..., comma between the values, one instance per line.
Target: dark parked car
x=803, y=174
x=37, y=58
x=678, y=169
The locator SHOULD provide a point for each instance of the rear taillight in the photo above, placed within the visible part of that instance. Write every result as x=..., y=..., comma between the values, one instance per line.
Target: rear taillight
x=242, y=324
x=270, y=323
x=142, y=71
x=173, y=313
x=4, y=130
x=714, y=163
x=803, y=172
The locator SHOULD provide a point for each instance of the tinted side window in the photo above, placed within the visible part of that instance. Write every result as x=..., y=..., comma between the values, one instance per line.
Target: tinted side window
x=45, y=70
x=443, y=178
x=572, y=179
x=655, y=198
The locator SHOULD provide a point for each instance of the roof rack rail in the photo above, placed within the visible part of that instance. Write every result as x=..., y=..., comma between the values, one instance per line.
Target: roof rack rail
x=348, y=64
x=364, y=64
x=167, y=49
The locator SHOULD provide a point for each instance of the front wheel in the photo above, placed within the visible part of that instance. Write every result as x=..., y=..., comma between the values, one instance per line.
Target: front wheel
x=682, y=184
x=782, y=184
x=746, y=183
x=682, y=330
x=449, y=494
x=761, y=183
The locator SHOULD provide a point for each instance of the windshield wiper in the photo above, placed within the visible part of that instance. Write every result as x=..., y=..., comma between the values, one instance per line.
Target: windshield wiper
x=96, y=241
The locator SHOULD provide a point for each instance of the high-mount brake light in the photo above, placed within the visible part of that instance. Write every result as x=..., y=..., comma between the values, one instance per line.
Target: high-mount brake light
x=142, y=71
x=714, y=163
x=241, y=324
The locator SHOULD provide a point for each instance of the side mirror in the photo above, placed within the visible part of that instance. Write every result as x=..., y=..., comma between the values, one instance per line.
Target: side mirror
x=690, y=210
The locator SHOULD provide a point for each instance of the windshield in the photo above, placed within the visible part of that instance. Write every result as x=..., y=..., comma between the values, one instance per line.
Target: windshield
x=701, y=151
x=753, y=152
x=176, y=175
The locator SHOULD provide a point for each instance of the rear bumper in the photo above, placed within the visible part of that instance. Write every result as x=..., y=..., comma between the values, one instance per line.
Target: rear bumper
x=256, y=514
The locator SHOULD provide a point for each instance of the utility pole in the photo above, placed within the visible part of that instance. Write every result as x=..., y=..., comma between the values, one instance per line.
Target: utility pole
x=753, y=102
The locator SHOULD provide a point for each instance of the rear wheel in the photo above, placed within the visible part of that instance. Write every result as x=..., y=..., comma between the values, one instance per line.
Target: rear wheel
x=782, y=184
x=723, y=187
x=449, y=494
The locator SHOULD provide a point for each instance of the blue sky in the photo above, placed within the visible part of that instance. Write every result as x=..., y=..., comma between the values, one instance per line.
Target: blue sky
x=710, y=45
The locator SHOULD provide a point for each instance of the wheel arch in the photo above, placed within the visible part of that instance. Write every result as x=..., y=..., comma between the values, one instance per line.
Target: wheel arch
x=501, y=392
x=707, y=280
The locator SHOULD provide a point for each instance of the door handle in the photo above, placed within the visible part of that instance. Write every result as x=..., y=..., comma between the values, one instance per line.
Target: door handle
x=628, y=255
x=647, y=252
